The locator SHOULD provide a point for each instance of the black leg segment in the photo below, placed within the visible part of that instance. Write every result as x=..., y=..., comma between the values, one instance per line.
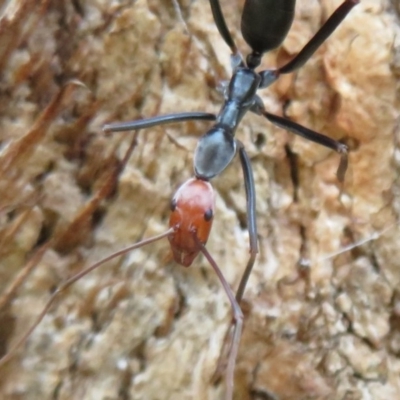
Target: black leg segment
x=251, y=217
x=159, y=120
x=221, y=25
x=324, y=32
x=315, y=137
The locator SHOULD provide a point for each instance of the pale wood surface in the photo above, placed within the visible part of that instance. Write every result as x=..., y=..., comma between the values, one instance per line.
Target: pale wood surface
x=144, y=327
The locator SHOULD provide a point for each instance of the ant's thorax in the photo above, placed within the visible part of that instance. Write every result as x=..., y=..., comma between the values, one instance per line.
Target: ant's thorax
x=239, y=97
x=216, y=149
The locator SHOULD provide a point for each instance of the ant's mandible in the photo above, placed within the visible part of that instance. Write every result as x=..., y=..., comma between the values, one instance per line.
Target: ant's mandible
x=264, y=26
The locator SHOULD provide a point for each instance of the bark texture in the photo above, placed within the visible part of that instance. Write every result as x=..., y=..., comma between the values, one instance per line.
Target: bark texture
x=322, y=305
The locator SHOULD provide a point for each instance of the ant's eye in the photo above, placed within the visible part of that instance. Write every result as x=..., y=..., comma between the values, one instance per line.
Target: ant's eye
x=172, y=206
x=208, y=215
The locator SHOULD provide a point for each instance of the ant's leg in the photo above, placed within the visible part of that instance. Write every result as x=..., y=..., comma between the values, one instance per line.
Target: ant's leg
x=324, y=32
x=221, y=25
x=269, y=76
x=237, y=322
x=159, y=120
x=252, y=228
x=316, y=137
x=251, y=218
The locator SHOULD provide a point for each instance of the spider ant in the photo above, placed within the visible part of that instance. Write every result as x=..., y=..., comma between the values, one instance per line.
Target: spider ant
x=264, y=26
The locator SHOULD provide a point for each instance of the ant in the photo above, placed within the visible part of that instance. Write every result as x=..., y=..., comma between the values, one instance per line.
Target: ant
x=264, y=26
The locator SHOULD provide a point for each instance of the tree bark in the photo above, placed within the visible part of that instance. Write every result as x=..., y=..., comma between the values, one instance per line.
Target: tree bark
x=322, y=306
